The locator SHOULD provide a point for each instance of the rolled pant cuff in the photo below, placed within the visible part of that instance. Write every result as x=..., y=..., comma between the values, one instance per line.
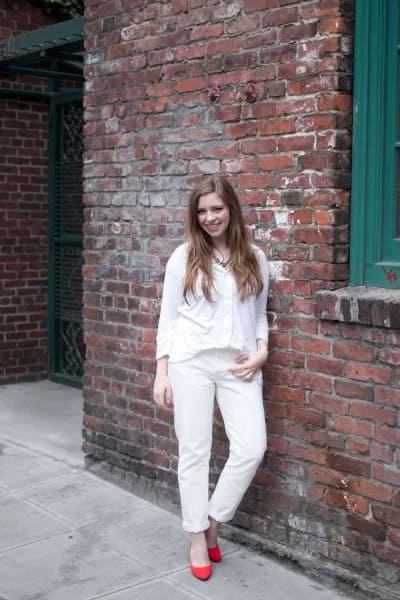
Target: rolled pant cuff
x=194, y=527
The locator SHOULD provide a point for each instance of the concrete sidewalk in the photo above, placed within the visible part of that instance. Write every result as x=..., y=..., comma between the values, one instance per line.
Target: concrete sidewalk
x=69, y=535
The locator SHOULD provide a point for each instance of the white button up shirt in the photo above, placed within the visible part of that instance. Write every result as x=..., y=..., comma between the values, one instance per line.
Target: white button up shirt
x=187, y=328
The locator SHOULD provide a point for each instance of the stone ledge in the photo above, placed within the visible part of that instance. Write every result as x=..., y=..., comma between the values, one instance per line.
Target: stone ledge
x=378, y=307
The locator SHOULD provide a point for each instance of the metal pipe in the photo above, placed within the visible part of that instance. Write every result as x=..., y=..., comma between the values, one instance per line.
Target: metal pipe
x=43, y=73
x=12, y=93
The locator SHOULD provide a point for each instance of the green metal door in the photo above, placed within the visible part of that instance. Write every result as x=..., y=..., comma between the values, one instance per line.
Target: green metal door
x=66, y=345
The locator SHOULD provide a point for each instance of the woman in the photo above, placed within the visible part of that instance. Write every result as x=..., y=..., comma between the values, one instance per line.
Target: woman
x=212, y=343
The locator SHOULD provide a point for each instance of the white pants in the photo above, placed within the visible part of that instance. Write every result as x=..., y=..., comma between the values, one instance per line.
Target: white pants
x=195, y=384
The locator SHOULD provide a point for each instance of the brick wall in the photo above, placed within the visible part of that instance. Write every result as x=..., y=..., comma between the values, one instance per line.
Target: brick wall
x=259, y=90
x=18, y=16
x=23, y=224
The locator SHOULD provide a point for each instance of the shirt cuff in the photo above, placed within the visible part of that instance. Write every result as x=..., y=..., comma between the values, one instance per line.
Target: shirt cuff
x=262, y=332
x=163, y=346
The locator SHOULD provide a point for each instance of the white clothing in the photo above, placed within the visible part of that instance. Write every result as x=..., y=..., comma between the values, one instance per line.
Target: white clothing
x=186, y=328
x=195, y=383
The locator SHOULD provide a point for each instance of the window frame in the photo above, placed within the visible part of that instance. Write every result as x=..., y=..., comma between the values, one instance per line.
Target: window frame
x=374, y=249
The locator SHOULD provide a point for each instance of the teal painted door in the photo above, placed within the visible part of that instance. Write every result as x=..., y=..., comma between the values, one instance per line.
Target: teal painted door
x=66, y=344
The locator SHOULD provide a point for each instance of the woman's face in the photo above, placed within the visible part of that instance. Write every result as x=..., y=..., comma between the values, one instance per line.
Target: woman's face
x=213, y=216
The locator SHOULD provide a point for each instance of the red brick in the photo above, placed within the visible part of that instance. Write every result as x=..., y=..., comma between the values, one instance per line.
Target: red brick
x=311, y=345
x=387, y=395
x=381, y=453
x=387, y=435
x=352, y=426
x=342, y=499
x=336, y=101
x=355, y=446
x=241, y=130
x=254, y=5
x=369, y=489
x=160, y=89
x=275, y=162
x=335, y=25
x=295, y=431
x=327, y=476
x=368, y=373
x=276, y=126
x=324, y=365
x=238, y=165
x=364, y=410
x=223, y=46
x=308, y=453
x=389, y=356
x=206, y=31
x=340, y=462
x=258, y=146
x=244, y=24
x=353, y=352
x=255, y=181
x=386, y=514
x=394, y=536
x=281, y=16
x=298, y=32
x=287, y=394
x=316, y=437
x=277, y=445
x=353, y=390
x=386, y=474
x=305, y=415
x=189, y=85
x=329, y=404
x=367, y=527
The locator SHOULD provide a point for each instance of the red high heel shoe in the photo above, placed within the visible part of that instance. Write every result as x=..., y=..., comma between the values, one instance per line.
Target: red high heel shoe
x=203, y=573
x=214, y=554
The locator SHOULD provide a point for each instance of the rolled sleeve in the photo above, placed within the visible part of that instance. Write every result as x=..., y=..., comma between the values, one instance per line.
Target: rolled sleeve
x=172, y=298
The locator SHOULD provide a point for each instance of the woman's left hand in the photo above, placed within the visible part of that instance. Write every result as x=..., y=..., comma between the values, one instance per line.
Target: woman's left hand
x=248, y=364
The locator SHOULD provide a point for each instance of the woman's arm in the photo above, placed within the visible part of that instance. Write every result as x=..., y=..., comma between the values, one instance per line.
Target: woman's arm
x=162, y=391
x=261, y=301
x=171, y=300
x=249, y=362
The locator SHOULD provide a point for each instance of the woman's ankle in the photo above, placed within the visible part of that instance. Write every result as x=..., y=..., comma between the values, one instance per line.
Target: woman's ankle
x=198, y=538
x=212, y=533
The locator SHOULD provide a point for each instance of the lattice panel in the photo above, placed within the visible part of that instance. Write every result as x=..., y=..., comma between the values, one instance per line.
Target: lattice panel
x=72, y=132
x=68, y=279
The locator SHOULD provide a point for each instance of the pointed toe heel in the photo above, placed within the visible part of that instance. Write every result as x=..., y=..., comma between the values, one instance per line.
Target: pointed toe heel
x=214, y=554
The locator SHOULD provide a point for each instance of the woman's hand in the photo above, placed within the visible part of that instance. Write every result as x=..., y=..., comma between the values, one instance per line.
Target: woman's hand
x=162, y=391
x=248, y=364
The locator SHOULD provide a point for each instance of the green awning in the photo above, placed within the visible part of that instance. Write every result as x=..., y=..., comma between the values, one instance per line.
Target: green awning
x=56, y=51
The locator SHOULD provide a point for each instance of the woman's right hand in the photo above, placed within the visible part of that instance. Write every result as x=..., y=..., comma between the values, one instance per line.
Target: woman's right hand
x=162, y=391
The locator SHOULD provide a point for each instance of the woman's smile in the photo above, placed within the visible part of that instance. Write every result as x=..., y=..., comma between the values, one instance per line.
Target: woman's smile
x=213, y=215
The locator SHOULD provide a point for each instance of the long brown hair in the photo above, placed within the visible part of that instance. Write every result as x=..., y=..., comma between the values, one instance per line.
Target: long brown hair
x=243, y=262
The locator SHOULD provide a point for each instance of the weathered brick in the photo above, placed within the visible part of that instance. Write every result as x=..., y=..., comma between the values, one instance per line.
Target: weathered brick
x=386, y=514
x=342, y=499
x=327, y=384
x=352, y=426
x=364, y=410
x=340, y=462
x=368, y=373
x=367, y=527
x=387, y=395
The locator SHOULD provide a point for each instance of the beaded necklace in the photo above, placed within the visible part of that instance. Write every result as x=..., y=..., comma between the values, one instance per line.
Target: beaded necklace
x=223, y=263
